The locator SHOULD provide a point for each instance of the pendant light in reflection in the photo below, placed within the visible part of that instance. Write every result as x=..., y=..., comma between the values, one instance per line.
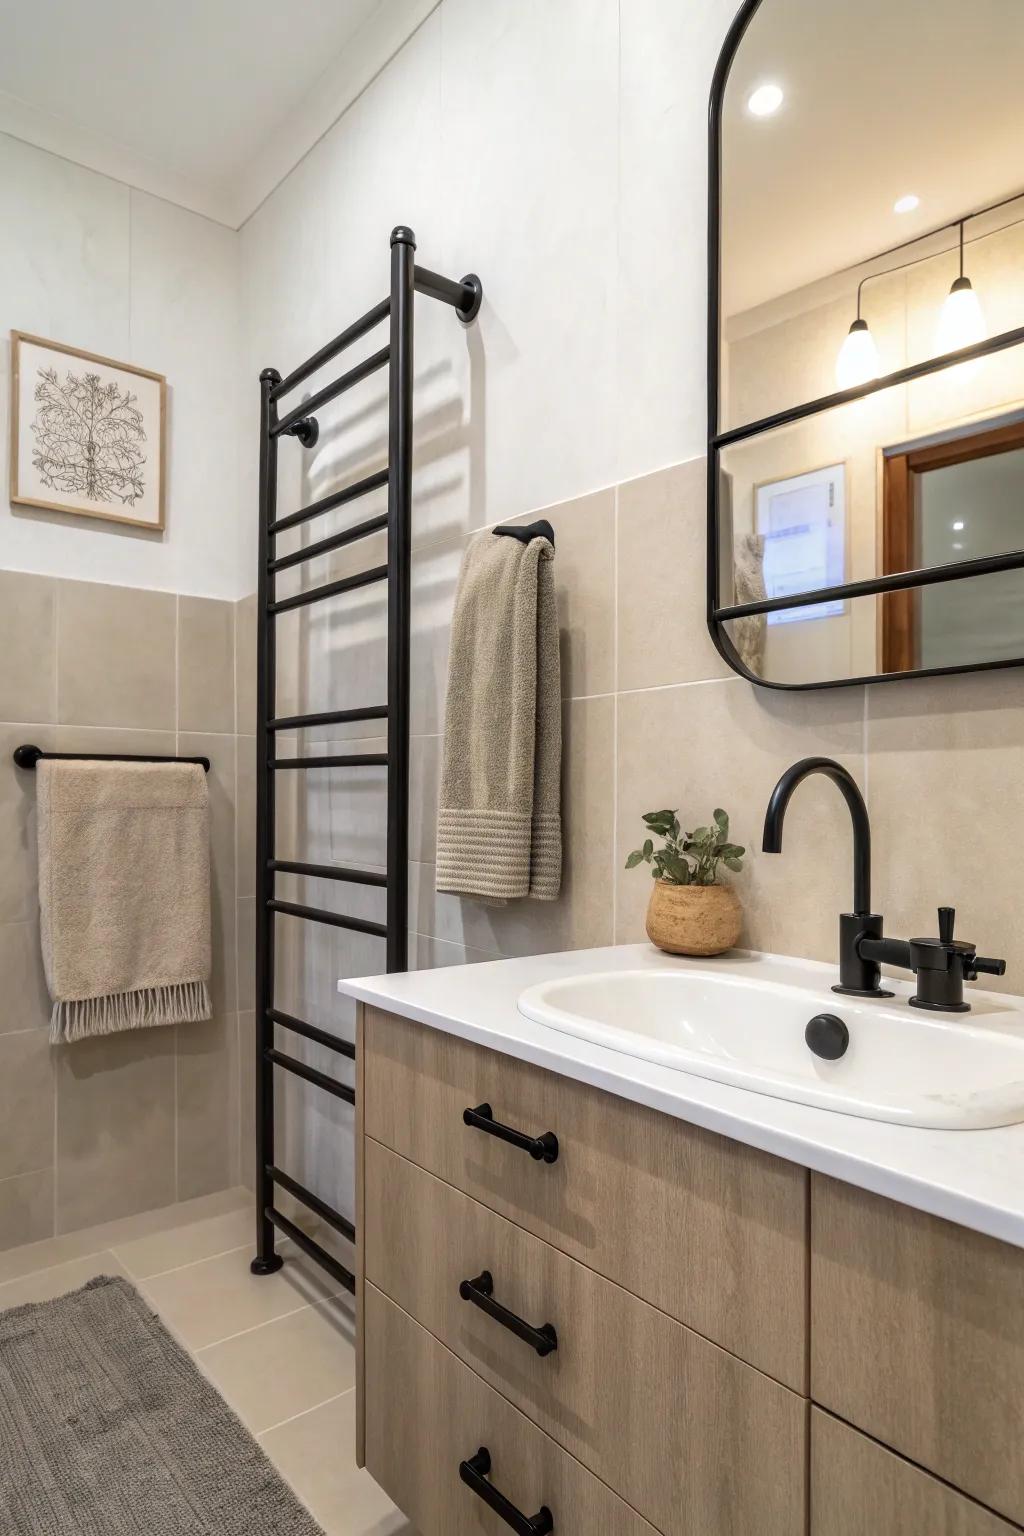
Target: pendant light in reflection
x=961, y=322
x=858, y=360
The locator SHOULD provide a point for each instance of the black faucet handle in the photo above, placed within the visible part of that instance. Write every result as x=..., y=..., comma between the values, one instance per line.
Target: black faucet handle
x=947, y=921
x=981, y=964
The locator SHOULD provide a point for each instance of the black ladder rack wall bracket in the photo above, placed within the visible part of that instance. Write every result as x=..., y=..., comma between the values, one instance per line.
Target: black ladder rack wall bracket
x=465, y=298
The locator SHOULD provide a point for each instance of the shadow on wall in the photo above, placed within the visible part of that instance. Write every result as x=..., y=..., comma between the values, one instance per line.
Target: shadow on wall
x=335, y=657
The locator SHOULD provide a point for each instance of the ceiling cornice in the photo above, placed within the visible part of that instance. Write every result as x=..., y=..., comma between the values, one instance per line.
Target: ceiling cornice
x=372, y=47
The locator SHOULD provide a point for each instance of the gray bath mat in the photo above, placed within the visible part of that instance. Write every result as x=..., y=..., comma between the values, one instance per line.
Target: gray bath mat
x=107, y=1428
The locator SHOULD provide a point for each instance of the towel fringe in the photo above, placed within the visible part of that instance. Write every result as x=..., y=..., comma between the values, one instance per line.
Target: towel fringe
x=184, y=1002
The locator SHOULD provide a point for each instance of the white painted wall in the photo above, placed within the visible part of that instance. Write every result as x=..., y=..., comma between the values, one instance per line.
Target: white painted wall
x=88, y=261
x=560, y=151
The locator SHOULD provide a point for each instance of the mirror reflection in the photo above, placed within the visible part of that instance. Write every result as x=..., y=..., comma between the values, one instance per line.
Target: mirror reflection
x=872, y=221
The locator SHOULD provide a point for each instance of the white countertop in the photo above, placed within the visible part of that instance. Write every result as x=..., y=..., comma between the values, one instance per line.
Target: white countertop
x=974, y=1178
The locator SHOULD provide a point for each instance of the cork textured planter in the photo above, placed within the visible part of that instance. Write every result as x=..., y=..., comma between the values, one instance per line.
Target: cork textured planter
x=693, y=919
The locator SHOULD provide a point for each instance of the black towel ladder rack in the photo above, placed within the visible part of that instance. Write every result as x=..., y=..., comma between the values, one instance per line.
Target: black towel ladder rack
x=465, y=297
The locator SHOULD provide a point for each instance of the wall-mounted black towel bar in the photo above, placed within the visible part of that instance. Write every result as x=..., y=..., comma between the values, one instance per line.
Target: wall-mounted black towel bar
x=524, y=532
x=27, y=757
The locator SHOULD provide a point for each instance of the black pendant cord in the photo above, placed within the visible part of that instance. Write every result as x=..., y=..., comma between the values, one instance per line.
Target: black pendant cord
x=301, y=424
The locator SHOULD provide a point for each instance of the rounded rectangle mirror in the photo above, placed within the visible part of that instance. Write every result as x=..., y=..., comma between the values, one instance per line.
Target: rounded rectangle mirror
x=866, y=340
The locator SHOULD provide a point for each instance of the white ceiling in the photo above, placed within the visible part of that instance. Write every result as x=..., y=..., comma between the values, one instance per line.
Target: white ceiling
x=883, y=98
x=207, y=102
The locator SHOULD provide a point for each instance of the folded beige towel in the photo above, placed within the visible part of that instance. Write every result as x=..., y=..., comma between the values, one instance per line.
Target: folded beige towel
x=124, y=894
x=499, y=830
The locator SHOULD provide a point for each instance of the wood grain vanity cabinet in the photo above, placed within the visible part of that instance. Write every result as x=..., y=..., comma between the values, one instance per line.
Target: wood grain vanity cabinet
x=712, y=1232
x=661, y=1330
x=917, y=1337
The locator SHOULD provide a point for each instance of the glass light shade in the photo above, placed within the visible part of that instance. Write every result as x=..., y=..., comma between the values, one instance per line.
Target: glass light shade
x=962, y=321
x=858, y=361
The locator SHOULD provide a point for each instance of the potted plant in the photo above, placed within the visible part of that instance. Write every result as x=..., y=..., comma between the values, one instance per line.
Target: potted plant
x=689, y=913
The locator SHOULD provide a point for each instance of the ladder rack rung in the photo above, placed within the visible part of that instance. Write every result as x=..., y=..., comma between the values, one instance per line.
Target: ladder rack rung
x=311, y=1032
x=350, y=760
x=336, y=541
x=331, y=589
x=348, y=493
x=328, y=872
x=333, y=1218
x=311, y=1075
x=334, y=919
x=328, y=717
x=331, y=391
x=351, y=333
x=308, y=1245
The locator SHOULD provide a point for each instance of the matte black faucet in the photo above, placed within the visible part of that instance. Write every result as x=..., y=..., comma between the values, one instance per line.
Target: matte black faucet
x=941, y=965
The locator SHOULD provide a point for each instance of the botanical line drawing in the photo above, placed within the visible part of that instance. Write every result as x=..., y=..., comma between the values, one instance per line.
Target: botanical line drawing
x=89, y=438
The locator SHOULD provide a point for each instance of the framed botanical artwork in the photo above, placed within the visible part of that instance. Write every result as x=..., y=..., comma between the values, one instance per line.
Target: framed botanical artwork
x=87, y=433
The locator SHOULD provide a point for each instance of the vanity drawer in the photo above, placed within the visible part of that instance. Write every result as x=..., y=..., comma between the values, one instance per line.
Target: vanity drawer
x=710, y=1231
x=858, y=1488
x=688, y=1435
x=426, y=1413
x=917, y=1335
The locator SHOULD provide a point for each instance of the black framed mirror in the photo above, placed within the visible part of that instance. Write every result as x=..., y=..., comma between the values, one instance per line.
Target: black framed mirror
x=865, y=330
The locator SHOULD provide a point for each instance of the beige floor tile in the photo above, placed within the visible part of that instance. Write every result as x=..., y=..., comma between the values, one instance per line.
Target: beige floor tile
x=57, y=1280
x=158, y=1252
x=286, y=1367
x=315, y=1454
x=218, y=1298
x=169, y=1219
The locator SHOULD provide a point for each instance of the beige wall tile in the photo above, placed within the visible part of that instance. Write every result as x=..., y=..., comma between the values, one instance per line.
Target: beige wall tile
x=951, y=747
x=28, y=645
x=115, y=1126
x=206, y=664
x=585, y=583
x=221, y=780
x=19, y=894
x=662, y=595
x=26, y=1209
x=725, y=744
x=207, y=1106
x=424, y=782
x=246, y=955
x=247, y=1099
x=245, y=665
x=24, y=999
x=183, y=1228
x=26, y=1103
x=115, y=656
x=245, y=817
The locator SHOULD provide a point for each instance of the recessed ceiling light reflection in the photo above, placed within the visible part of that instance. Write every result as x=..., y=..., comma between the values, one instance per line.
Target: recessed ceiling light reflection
x=958, y=527
x=906, y=204
x=765, y=100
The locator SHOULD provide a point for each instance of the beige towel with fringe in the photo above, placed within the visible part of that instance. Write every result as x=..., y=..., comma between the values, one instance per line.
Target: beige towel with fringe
x=124, y=894
x=499, y=829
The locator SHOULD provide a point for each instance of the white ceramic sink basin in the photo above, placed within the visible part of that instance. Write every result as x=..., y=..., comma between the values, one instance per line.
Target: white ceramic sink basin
x=954, y=1071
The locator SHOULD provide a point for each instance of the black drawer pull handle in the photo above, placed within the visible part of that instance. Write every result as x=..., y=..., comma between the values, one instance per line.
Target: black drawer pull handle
x=541, y=1148
x=474, y=1475
x=481, y=1293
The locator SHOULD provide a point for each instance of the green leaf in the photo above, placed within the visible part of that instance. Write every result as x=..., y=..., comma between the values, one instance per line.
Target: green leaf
x=723, y=822
x=660, y=821
x=635, y=858
x=648, y=849
x=734, y=865
x=676, y=867
x=674, y=829
x=702, y=835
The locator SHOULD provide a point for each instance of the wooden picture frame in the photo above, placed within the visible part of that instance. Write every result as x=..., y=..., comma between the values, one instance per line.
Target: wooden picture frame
x=60, y=464
x=900, y=620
